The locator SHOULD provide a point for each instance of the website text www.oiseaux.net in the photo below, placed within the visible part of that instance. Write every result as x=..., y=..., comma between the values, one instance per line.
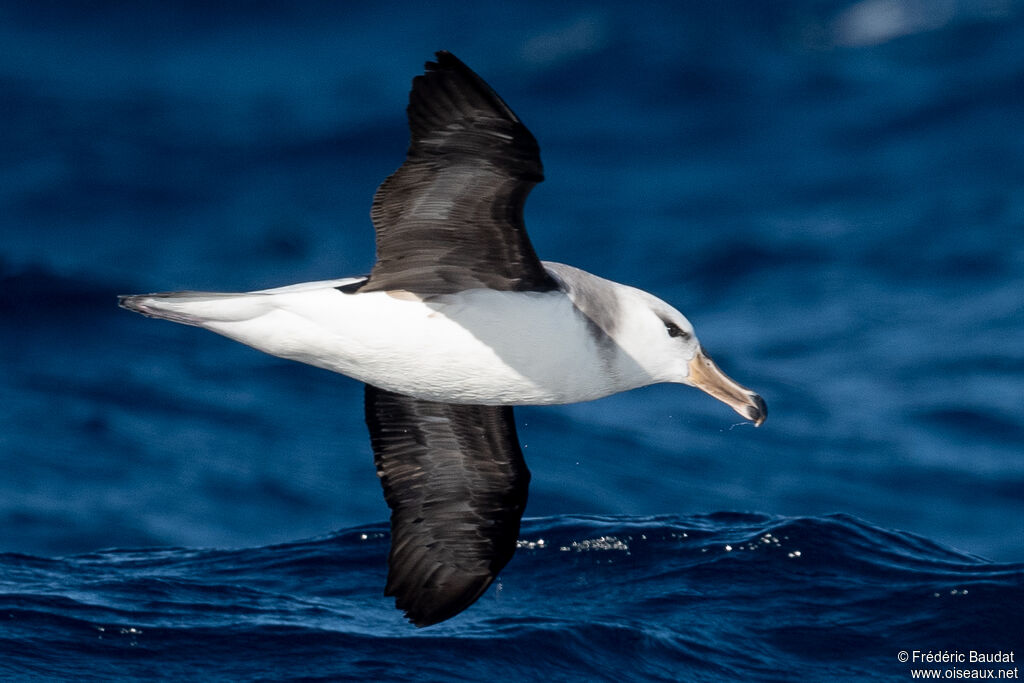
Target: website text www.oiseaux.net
x=957, y=665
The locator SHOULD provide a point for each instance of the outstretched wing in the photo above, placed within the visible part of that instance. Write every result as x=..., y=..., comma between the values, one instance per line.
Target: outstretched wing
x=456, y=482
x=451, y=217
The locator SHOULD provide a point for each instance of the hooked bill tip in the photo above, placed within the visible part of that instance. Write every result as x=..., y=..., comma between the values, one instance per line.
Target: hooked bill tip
x=757, y=410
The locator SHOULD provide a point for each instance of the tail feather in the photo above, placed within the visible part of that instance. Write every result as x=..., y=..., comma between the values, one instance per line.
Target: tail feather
x=196, y=308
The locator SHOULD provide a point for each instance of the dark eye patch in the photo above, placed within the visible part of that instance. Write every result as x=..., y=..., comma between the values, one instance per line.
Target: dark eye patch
x=674, y=330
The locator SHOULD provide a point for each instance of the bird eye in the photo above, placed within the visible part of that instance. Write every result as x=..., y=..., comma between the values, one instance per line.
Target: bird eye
x=674, y=330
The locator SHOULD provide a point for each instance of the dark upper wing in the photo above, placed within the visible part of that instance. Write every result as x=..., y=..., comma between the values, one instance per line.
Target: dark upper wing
x=455, y=480
x=451, y=218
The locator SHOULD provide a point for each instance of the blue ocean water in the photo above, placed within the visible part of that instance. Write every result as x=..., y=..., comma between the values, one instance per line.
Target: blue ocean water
x=727, y=596
x=833, y=192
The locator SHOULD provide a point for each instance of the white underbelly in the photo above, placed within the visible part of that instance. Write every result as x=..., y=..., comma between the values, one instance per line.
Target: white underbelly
x=480, y=346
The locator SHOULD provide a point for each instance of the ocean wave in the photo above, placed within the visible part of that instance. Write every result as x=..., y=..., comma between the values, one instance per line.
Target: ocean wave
x=698, y=597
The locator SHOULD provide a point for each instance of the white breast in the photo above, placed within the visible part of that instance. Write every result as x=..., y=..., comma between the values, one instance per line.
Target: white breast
x=478, y=346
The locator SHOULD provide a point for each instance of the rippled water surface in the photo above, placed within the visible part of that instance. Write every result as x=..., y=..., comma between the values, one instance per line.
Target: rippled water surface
x=710, y=597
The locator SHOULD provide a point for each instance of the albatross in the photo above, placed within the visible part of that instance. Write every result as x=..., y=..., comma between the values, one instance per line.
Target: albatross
x=457, y=322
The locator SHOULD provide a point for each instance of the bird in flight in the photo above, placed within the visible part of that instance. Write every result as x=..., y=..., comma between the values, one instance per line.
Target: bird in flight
x=457, y=322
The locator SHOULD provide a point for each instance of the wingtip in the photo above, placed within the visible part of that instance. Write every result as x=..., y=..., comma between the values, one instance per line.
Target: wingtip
x=415, y=613
x=433, y=602
x=422, y=621
x=446, y=61
x=422, y=618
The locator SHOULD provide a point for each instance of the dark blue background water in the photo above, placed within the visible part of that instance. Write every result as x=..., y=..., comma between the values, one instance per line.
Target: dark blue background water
x=833, y=193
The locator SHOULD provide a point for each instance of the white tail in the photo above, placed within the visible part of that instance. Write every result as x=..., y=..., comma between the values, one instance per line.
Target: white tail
x=200, y=308
x=197, y=308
